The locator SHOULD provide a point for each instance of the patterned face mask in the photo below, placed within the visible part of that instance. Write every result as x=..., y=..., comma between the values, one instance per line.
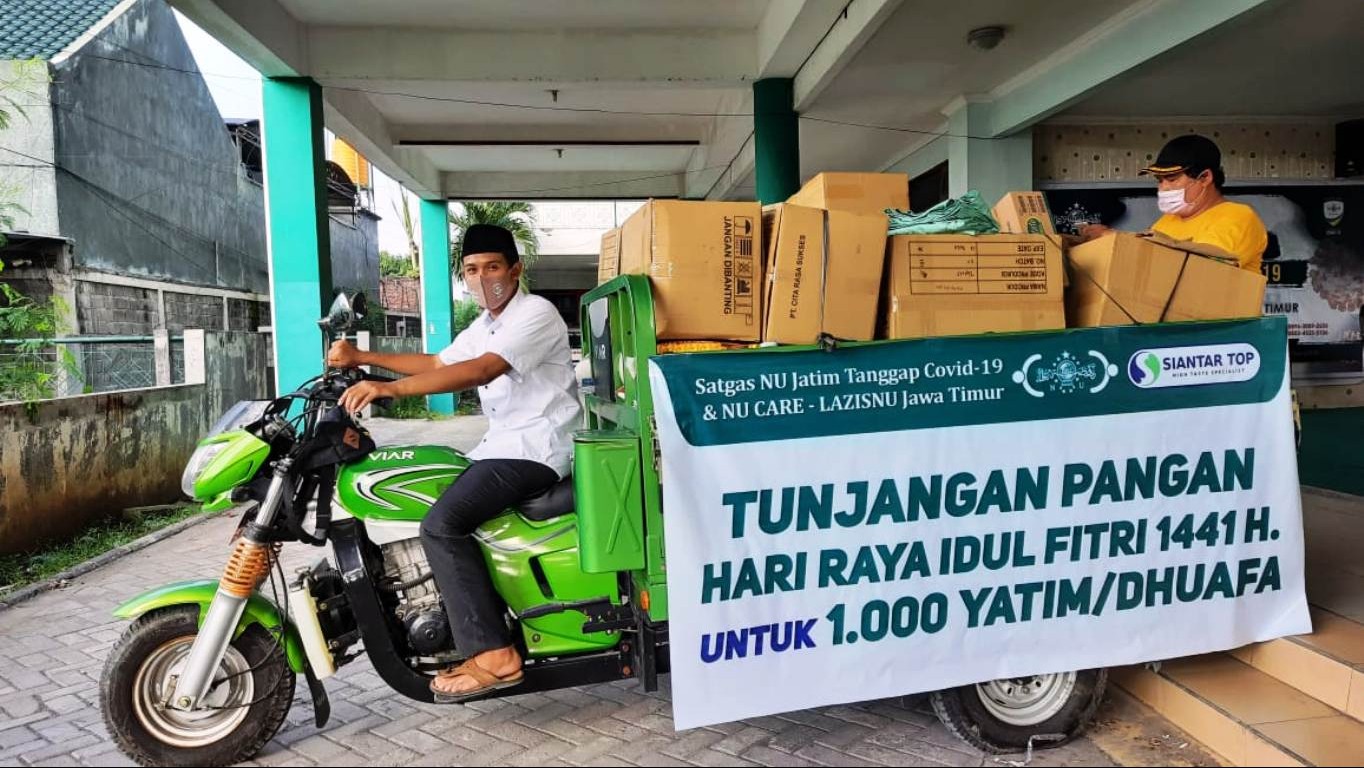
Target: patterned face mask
x=492, y=293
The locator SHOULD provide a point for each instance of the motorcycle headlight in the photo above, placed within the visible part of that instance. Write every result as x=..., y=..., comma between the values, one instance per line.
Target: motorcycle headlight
x=200, y=459
x=239, y=415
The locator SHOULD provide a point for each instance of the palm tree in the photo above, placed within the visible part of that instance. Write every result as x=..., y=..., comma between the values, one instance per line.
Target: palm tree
x=405, y=218
x=518, y=217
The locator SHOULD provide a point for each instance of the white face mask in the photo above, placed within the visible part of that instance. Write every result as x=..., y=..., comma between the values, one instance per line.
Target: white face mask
x=1176, y=201
x=1171, y=201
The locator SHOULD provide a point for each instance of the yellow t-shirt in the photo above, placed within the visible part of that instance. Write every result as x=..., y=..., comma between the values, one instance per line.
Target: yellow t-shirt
x=1233, y=227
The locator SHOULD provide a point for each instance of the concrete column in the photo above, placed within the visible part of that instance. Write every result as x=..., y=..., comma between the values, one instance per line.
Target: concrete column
x=297, y=235
x=196, y=362
x=776, y=140
x=161, y=354
x=992, y=166
x=437, y=309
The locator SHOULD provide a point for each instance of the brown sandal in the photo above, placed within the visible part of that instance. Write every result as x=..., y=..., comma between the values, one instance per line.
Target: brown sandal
x=487, y=682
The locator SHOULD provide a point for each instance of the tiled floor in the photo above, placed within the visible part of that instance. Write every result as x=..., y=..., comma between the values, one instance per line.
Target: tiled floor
x=1334, y=527
x=1323, y=741
x=1222, y=681
x=1294, y=700
x=1336, y=635
x=52, y=649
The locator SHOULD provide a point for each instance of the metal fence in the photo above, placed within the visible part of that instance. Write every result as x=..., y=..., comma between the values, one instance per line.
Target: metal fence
x=79, y=365
x=83, y=365
x=400, y=344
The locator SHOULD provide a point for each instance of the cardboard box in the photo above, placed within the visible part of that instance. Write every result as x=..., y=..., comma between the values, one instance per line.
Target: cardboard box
x=608, y=259
x=1024, y=213
x=854, y=259
x=704, y=260
x=1122, y=277
x=949, y=285
x=824, y=273
x=794, y=235
x=1068, y=242
x=865, y=192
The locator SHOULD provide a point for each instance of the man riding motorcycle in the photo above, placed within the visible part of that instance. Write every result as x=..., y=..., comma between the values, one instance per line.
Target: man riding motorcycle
x=516, y=353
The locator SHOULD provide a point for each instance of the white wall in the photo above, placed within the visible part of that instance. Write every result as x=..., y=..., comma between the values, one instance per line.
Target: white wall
x=575, y=228
x=27, y=177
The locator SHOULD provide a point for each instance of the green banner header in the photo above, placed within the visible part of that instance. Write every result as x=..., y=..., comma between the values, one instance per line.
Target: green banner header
x=753, y=396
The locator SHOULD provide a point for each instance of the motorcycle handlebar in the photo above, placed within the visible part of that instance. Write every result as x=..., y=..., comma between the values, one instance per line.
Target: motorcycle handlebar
x=346, y=377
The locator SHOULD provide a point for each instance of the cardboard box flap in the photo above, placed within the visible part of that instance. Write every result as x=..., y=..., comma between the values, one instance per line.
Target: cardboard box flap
x=1122, y=279
x=1189, y=246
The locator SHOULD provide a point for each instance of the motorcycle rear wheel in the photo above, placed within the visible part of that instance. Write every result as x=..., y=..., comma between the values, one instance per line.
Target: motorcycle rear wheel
x=1003, y=716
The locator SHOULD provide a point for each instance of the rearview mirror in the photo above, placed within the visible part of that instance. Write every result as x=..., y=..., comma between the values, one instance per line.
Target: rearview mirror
x=345, y=312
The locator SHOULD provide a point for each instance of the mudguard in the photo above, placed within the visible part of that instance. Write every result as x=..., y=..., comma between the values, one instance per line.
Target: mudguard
x=259, y=610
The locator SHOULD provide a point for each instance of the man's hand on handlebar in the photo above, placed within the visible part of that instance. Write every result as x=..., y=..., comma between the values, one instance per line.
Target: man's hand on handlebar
x=343, y=354
x=363, y=393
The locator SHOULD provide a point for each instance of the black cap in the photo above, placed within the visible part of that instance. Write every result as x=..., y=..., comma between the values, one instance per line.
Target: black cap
x=489, y=238
x=1191, y=154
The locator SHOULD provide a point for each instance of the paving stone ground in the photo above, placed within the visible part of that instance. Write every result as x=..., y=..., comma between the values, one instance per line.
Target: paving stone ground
x=52, y=649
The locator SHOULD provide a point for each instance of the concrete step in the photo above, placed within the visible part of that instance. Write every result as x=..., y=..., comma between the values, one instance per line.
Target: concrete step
x=1327, y=665
x=1247, y=716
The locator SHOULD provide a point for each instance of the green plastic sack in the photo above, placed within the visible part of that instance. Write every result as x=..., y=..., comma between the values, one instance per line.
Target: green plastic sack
x=965, y=215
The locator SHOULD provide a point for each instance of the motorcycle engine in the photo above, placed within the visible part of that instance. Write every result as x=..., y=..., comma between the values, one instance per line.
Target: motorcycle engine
x=419, y=605
x=428, y=632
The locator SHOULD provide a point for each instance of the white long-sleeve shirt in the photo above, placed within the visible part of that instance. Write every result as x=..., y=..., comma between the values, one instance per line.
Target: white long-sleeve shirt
x=533, y=409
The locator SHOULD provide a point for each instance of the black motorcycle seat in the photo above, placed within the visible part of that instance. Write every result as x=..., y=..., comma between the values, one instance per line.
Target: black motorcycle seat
x=550, y=503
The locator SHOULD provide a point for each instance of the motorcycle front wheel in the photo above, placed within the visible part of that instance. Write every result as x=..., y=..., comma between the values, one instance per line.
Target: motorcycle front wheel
x=242, y=711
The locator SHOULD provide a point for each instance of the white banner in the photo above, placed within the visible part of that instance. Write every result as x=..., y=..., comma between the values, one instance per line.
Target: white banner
x=908, y=517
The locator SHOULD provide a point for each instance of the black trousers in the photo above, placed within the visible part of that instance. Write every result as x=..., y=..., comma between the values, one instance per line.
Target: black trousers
x=485, y=490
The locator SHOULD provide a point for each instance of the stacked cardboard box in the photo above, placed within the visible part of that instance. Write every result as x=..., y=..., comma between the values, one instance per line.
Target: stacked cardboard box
x=864, y=192
x=948, y=285
x=608, y=259
x=824, y=272
x=1124, y=278
x=826, y=256
x=704, y=261
x=826, y=253
x=1024, y=213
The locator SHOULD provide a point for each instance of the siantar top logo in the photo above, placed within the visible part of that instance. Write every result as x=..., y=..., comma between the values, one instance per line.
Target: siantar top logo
x=1192, y=366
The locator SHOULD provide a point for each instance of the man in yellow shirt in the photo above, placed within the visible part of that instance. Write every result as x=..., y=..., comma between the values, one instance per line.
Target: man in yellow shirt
x=1189, y=172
